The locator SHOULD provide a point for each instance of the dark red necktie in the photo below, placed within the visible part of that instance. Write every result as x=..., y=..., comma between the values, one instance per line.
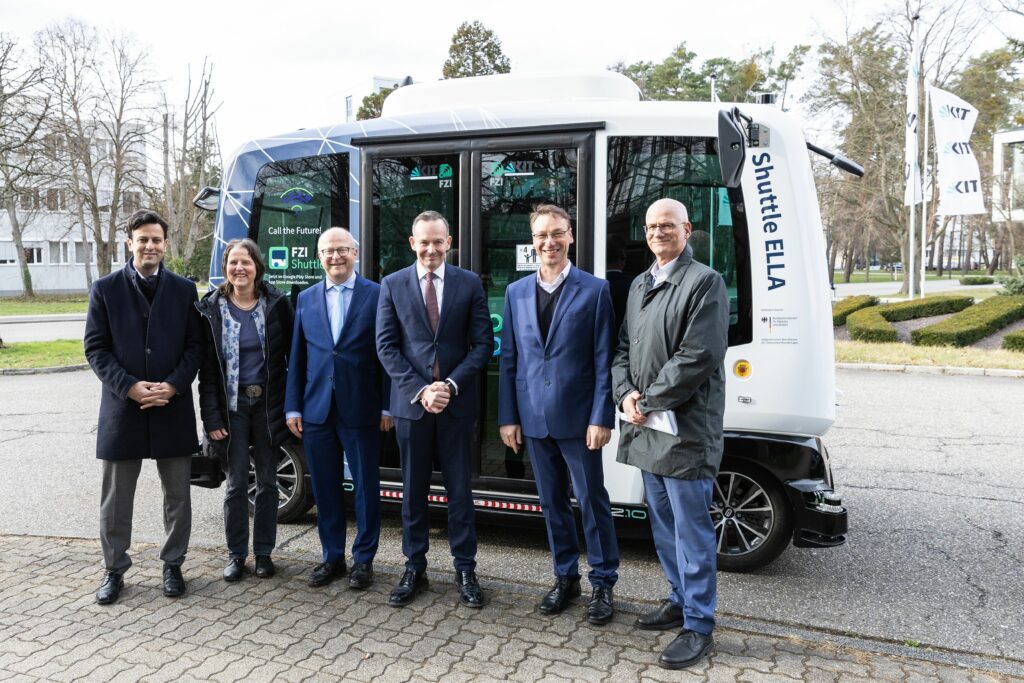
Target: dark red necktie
x=433, y=315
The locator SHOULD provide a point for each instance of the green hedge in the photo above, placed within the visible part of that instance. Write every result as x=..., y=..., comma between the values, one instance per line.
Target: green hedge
x=844, y=307
x=1014, y=341
x=872, y=324
x=977, y=280
x=972, y=324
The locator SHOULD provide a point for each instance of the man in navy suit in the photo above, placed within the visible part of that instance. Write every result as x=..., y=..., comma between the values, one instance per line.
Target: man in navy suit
x=556, y=352
x=335, y=402
x=434, y=337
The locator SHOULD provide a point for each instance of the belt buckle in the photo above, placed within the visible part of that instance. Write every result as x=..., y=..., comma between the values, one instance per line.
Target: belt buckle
x=254, y=391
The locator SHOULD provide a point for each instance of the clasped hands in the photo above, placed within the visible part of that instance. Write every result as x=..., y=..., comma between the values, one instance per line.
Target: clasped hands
x=152, y=394
x=435, y=397
x=631, y=410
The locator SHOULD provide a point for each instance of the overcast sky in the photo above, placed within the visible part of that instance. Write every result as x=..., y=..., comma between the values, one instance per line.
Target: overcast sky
x=286, y=65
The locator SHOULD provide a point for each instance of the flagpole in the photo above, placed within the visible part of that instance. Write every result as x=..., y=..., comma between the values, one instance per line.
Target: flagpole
x=910, y=176
x=924, y=176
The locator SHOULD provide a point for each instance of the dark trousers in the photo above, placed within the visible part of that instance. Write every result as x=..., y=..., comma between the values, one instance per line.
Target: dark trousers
x=247, y=426
x=328, y=447
x=684, y=537
x=450, y=439
x=554, y=462
x=117, y=507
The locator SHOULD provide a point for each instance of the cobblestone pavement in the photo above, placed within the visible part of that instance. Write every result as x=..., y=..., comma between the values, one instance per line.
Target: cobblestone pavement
x=281, y=630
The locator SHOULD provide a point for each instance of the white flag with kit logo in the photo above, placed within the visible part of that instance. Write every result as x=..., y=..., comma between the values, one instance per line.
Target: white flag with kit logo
x=958, y=175
x=911, y=167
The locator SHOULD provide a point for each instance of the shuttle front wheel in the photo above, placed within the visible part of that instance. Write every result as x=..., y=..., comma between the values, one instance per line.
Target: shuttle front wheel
x=752, y=518
x=295, y=493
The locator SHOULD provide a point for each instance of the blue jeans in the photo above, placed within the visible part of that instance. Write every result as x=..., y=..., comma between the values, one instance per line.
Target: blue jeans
x=247, y=426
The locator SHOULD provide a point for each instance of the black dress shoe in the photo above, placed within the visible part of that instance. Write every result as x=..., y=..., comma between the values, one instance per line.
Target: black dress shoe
x=326, y=572
x=600, y=609
x=264, y=567
x=668, y=615
x=409, y=586
x=470, y=593
x=174, y=582
x=361, y=576
x=110, y=589
x=235, y=569
x=557, y=599
x=687, y=649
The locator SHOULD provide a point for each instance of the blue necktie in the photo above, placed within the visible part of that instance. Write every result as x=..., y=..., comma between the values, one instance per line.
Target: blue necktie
x=338, y=323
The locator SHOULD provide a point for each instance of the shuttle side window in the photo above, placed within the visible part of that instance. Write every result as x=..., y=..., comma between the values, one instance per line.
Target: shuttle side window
x=294, y=202
x=642, y=170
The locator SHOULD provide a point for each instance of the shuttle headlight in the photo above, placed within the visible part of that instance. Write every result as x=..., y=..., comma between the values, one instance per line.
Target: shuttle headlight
x=741, y=369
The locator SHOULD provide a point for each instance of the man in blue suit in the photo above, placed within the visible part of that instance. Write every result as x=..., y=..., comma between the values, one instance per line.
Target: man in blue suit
x=434, y=337
x=555, y=389
x=335, y=402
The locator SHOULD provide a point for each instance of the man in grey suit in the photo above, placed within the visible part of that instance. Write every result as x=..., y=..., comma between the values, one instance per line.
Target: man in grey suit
x=669, y=358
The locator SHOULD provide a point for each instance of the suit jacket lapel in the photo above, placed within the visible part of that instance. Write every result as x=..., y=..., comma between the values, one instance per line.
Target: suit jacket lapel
x=527, y=294
x=320, y=302
x=569, y=289
x=355, y=302
x=451, y=288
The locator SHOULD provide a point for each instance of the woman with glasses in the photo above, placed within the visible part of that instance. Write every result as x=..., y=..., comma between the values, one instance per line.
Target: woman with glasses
x=241, y=398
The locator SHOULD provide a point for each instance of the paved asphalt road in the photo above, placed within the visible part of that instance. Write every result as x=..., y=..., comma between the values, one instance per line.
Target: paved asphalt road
x=930, y=467
x=41, y=328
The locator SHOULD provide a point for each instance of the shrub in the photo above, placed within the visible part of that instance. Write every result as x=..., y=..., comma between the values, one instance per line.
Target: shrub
x=844, y=307
x=1014, y=286
x=977, y=280
x=972, y=324
x=1014, y=341
x=872, y=324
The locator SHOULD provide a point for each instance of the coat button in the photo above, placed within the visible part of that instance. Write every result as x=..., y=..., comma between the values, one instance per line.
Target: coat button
x=637, y=340
x=334, y=353
x=149, y=350
x=547, y=383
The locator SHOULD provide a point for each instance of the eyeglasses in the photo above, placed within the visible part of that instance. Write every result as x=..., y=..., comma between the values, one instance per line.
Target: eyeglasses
x=337, y=251
x=555, y=235
x=664, y=227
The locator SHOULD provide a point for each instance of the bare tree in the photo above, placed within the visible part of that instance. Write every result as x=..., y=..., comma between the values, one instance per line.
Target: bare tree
x=100, y=90
x=190, y=154
x=23, y=109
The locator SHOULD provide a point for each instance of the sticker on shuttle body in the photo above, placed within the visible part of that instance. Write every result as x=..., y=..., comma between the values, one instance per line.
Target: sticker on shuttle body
x=526, y=257
x=778, y=328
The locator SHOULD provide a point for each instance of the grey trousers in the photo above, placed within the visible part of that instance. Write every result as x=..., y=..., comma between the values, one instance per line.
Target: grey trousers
x=117, y=504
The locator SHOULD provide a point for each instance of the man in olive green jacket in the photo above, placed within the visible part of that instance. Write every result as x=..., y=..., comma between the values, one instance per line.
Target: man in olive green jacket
x=669, y=358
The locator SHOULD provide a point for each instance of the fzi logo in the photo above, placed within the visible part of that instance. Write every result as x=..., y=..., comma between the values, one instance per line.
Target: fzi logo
x=963, y=187
x=948, y=112
x=277, y=258
x=958, y=148
x=296, y=198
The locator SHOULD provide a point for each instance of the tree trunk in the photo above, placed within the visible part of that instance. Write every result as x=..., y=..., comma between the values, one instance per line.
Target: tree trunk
x=1011, y=262
x=967, y=261
x=940, y=248
x=848, y=263
x=26, y=275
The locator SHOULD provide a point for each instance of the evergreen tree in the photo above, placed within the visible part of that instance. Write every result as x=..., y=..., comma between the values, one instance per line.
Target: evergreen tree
x=475, y=51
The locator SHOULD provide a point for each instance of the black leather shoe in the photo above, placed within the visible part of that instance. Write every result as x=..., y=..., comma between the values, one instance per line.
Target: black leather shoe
x=409, y=586
x=668, y=615
x=557, y=599
x=235, y=569
x=110, y=589
x=174, y=582
x=470, y=593
x=600, y=609
x=326, y=572
x=687, y=649
x=361, y=576
x=264, y=567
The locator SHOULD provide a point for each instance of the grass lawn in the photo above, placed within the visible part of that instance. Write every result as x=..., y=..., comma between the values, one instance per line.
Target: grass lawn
x=884, y=276
x=44, y=304
x=42, y=354
x=908, y=354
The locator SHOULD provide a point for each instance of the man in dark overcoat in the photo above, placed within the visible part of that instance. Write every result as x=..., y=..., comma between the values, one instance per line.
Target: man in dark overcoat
x=144, y=340
x=668, y=366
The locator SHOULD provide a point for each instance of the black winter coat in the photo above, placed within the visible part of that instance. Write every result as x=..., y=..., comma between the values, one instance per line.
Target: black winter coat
x=128, y=340
x=213, y=398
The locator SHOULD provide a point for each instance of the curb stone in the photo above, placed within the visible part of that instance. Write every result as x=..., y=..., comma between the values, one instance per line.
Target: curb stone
x=43, y=371
x=931, y=369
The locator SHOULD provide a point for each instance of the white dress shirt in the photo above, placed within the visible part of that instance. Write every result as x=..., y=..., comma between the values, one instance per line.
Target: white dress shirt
x=421, y=273
x=550, y=287
x=661, y=274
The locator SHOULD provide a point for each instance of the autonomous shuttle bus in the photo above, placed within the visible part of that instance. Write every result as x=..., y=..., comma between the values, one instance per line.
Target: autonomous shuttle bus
x=483, y=151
